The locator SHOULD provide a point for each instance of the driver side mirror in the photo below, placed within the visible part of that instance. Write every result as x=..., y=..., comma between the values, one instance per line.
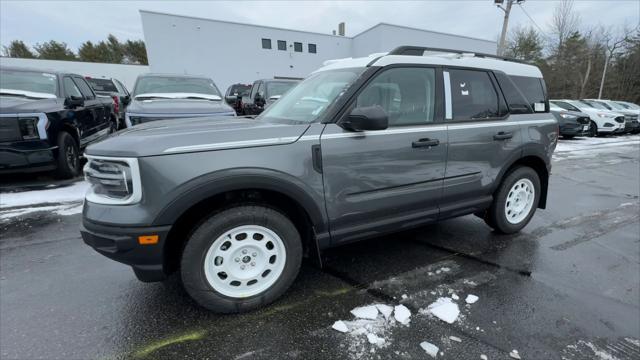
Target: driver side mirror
x=366, y=118
x=74, y=101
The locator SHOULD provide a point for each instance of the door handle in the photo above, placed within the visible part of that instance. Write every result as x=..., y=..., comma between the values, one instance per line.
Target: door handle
x=425, y=143
x=503, y=135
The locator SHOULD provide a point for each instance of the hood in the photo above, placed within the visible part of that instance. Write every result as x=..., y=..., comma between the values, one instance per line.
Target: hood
x=165, y=137
x=15, y=105
x=570, y=112
x=178, y=106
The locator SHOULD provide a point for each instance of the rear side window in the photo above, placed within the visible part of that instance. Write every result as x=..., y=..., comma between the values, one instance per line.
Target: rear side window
x=406, y=94
x=473, y=95
x=515, y=100
x=102, y=85
x=533, y=91
x=565, y=105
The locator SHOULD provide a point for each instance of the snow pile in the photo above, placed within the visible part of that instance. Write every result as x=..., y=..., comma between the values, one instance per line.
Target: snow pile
x=431, y=349
x=72, y=193
x=65, y=200
x=372, y=326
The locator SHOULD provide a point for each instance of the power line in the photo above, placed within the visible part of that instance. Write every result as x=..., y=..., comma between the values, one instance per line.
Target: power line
x=533, y=21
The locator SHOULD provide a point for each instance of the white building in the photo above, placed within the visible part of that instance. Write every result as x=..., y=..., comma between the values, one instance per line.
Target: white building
x=230, y=52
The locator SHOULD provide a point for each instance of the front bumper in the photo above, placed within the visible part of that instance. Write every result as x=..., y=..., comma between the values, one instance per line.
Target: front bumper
x=121, y=244
x=27, y=156
x=574, y=129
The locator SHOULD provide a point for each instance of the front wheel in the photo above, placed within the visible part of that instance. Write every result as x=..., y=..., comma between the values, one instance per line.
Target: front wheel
x=241, y=258
x=68, y=161
x=515, y=202
x=593, y=129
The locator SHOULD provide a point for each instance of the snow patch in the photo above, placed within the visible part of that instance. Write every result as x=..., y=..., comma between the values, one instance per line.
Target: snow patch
x=374, y=339
x=402, y=314
x=385, y=310
x=70, y=193
x=514, y=354
x=431, y=349
x=340, y=326
x=444, y=309
x=366, y=312
x=61, y=209
x=471, y=299
x=455, y=338
x=483, y=357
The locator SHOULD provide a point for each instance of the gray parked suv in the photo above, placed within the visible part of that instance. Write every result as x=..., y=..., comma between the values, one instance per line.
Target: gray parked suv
x=361, y=148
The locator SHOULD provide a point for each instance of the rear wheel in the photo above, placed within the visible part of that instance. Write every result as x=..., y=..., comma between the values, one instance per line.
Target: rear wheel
x=68, y=161
x=568, y=137
x=241, y=258
x=515, y=202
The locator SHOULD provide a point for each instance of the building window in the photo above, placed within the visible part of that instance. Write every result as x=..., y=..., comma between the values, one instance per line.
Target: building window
x=297, y=47
x=312, y=48
x=266, y=43
x=282, y=45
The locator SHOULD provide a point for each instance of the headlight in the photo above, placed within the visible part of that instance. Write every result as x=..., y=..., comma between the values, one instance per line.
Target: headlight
x=29, y=128
x=567, y=116
x=114, y=181
x=605, y=115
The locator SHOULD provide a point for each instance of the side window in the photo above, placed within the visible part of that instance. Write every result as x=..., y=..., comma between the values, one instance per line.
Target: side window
x=261, y=90
x=406, y=94
x=254, y=90
x=532, y=90
x=70, y=88
x=473, y=95
x=84, y=88
x=517, y=103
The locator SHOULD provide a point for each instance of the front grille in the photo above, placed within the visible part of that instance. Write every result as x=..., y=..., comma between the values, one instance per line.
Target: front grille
x=583, y=120
x=619, y=119
x=9, y=129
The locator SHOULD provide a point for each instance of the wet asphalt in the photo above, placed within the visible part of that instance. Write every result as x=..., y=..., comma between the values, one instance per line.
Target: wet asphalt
x=566, y=287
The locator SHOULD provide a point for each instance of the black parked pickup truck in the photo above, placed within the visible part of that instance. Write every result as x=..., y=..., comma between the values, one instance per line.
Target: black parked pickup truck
x=47, y=119
x=114, y=89
x=264, y=93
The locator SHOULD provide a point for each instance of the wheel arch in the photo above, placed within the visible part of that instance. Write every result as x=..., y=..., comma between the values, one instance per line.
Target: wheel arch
x=212, y=193
x=535, y=161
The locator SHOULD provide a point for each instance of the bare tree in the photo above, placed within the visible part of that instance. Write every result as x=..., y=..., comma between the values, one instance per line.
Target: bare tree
x=564, y=22
x=613, y=42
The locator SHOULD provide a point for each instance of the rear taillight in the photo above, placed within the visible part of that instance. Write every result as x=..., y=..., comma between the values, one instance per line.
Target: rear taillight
x=116, y=104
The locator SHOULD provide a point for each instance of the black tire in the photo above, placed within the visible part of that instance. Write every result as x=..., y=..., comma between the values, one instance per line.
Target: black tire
x=496, y=215
x=68, y=161
x=192, y=264
x=568, y=137
x=593, y=129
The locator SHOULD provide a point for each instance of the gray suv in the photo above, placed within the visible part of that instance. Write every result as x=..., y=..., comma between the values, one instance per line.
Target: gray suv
x=361, y=148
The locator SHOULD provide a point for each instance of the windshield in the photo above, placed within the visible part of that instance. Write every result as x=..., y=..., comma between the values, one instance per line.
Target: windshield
x=594, y=104
x=102, y=85
x=564, y=105
x=309, y=99
x=629, y=105
x=175, y=84
x=28, y=83
x=279, y=88
x=615, y=106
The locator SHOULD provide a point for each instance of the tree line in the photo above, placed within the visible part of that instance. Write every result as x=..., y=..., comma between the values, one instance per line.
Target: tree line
x=580, y=62
x=110, y=50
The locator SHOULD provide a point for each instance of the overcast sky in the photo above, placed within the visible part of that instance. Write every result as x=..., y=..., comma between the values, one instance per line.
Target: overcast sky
x=77, y=21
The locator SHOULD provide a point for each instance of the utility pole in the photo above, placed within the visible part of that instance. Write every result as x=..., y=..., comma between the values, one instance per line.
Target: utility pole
x=505, y=23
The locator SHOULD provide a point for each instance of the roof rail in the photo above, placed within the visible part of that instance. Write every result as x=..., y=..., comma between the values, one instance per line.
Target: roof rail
x=419, y=51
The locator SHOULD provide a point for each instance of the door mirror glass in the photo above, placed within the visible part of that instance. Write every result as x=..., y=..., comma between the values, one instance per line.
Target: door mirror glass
x=126, y=100
x=366, y=118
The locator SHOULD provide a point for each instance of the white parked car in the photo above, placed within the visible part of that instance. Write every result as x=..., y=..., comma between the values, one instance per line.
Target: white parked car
x=631, y=124
x=603, y=121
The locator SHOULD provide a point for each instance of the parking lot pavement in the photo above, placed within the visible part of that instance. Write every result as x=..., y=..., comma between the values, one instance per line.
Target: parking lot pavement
x=567, y=286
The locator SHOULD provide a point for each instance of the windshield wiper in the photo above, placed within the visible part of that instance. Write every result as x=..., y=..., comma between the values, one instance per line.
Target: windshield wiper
x=199, y=98
x=13, y=94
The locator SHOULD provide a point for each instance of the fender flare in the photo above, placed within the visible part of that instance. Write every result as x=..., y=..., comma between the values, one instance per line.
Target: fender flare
x=220, y=182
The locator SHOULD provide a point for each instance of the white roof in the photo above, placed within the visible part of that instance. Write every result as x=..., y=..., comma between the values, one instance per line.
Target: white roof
x=445, y=59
